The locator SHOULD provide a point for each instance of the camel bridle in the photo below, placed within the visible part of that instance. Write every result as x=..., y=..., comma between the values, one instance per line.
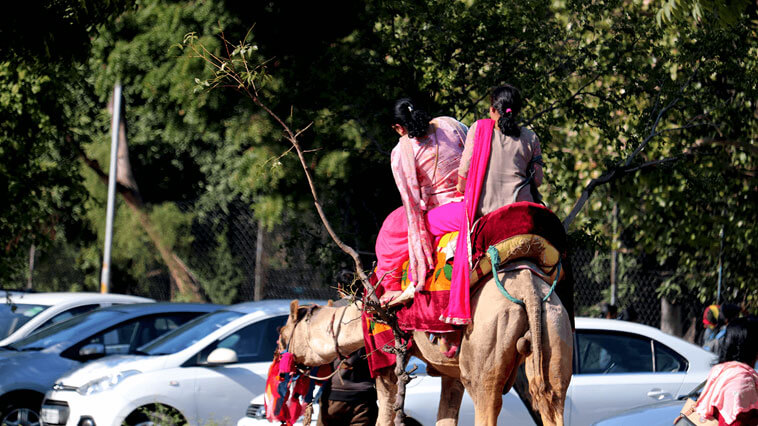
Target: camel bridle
x=303, y=369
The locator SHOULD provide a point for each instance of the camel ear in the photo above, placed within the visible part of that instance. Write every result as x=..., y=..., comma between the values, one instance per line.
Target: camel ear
x=294, y=305
x=330, y=303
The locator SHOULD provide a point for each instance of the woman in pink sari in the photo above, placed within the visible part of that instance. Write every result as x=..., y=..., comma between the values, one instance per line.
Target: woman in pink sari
x=730, y=394
x=425, y=166
x=501, y=164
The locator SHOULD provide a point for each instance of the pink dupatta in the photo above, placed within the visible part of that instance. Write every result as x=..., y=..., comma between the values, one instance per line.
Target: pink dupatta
x=459, y=309
x=732, y=388
x=419, y=242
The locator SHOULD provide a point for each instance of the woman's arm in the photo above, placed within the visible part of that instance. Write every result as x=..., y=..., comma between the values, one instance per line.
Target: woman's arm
x=468, y=152
x=537, y=167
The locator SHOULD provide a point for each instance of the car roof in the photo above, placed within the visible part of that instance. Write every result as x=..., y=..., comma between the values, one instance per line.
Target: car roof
x=270, y=306
x=54, y=298
x=160, y=307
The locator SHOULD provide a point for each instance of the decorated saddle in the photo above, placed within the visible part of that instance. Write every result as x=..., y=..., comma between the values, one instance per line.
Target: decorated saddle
x=518, y=231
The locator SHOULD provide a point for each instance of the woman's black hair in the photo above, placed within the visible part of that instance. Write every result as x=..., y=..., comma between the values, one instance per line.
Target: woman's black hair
x=740, y=342
x=507, y=102
x=415, y=120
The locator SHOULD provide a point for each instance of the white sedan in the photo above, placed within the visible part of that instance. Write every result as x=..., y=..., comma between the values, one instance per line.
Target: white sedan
x=618, y=365
x=204, y=372
x=21, y=314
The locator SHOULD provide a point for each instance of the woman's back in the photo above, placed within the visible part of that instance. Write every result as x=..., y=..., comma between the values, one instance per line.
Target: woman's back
x=507, y=168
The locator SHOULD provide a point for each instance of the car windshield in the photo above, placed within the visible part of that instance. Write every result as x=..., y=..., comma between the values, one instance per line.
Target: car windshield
x=14, y=315
x=186, y=335
x=69, y=331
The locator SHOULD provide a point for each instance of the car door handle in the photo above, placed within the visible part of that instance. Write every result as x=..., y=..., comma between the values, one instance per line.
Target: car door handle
x=658, y=394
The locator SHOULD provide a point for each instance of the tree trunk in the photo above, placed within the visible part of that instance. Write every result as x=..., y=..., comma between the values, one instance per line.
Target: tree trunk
x=260, y=263
x=127, y=187
x=671, y=318
x=29, y=281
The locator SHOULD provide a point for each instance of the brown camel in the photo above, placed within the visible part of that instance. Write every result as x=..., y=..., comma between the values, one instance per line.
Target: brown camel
x=501, y=336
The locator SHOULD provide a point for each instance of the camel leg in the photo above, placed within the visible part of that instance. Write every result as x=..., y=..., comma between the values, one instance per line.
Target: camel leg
x=450, y=401
x=386, y=390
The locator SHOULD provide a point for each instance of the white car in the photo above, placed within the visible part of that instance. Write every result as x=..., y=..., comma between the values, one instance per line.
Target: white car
x=203, y=372
x=618, y=365
x=21, y=314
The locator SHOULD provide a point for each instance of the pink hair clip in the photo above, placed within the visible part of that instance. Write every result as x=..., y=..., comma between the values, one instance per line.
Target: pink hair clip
x=507, y=110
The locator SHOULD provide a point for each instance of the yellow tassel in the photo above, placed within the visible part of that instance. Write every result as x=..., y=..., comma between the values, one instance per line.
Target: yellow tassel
x=307, y=414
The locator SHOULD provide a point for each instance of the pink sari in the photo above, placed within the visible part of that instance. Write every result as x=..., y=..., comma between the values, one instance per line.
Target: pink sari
x=459, y=309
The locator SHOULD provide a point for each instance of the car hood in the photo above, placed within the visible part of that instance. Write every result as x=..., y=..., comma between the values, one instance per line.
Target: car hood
x=31, y=370
x=94, y=370
x=658, y=414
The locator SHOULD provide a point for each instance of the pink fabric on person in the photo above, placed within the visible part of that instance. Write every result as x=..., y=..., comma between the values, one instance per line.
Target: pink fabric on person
x=444, y=219
x=731, y=388
x=425, y=171
x=392, y=241
x=392, y=249
x=459, y=309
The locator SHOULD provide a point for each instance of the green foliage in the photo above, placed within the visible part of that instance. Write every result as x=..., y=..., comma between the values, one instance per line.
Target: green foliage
x=596, y=77
x=724, y=13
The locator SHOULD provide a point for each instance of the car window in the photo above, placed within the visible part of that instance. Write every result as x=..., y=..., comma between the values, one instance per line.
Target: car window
x=154, y=327
x=254, y=343
x=67, y=332
x=668, y=361
x=122, y=338
x=14, y=315
x=69, y=314
x=116, y=340
x=613, y=353
x=188, y=334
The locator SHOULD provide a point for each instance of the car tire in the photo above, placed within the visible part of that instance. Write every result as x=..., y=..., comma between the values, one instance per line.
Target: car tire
x=154, y=415
x=20, y=412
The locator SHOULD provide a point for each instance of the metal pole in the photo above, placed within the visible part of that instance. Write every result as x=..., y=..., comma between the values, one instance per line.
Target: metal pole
x=105, y=277
x=614, y=252
x=721, y=255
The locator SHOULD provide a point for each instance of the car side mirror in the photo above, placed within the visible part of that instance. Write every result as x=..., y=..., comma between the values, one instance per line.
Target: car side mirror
x=221, y=356
x=92, y=351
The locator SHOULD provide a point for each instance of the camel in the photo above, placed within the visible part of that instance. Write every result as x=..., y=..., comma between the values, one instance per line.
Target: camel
x=501, y=336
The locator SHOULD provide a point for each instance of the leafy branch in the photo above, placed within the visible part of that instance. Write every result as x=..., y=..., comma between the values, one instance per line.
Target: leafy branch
x=625, y=167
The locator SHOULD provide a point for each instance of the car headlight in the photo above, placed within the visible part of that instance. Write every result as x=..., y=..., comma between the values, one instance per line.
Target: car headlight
x=105, y=383
x=256, y=411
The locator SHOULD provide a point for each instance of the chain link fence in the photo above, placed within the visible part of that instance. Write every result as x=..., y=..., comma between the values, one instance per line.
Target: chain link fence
x=233, y=260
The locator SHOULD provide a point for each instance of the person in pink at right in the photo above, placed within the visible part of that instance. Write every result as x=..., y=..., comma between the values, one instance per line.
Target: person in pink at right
x=731, y=391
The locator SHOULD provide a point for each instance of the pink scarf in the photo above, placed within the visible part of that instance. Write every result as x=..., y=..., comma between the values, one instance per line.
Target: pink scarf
x=420, y=253
x=459, y=309
x=732, y=388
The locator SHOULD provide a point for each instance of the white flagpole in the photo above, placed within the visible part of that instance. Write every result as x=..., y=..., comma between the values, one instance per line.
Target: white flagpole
x=105, y=277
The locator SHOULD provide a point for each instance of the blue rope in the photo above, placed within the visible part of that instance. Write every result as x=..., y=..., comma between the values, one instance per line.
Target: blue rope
x=494, y=256
x=495, y=260
x=557, y=277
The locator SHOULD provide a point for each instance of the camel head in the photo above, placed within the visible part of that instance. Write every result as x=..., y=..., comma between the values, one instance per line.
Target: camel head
x=295, y=336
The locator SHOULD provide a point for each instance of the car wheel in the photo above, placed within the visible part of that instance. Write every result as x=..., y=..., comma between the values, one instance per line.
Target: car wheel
x=154, y=415
x=17, y=415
